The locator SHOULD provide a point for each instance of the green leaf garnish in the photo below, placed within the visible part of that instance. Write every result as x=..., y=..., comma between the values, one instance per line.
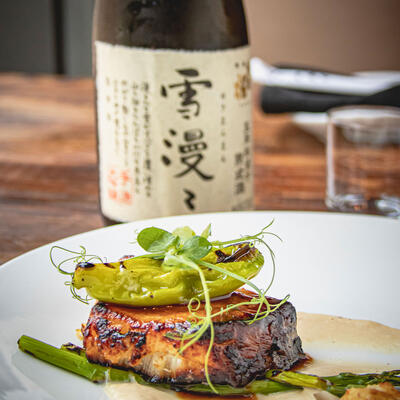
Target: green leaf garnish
x=196, y=248
x=184, y=233
x=207, y=232
x=155, y=240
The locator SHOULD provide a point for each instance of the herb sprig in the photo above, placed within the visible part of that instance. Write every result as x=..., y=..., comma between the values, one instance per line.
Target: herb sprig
x=78, y=256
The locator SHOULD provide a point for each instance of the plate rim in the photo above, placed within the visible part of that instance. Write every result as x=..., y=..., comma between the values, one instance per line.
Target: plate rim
x=198, y=215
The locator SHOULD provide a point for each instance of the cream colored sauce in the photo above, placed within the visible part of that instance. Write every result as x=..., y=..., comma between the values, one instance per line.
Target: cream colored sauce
x=336, y=345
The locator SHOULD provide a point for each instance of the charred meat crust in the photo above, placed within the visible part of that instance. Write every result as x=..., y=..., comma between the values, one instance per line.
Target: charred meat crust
x=135, y=338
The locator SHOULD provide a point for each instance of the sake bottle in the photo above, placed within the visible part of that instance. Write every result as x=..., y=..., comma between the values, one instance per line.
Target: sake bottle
x=173, y=107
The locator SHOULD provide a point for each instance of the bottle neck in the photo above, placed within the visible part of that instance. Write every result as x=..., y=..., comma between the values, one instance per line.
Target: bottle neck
x=171, y=24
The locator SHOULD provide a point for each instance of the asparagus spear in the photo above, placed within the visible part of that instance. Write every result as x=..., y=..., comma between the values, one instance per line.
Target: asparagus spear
x=297, y=379
x=74, y=360
x=340, y=383
x=264, y=386
x=337, y=384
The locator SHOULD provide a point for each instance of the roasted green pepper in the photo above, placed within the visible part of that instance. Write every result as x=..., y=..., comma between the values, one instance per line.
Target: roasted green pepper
x=149, y=282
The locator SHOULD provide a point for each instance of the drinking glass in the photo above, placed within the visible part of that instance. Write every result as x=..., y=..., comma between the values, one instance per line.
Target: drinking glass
x=363, y=160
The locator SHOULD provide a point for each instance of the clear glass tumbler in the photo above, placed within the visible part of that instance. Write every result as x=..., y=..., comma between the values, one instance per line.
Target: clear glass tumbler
x=363, y=160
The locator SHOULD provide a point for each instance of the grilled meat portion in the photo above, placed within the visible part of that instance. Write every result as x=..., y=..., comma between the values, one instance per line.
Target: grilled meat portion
x=135, y=338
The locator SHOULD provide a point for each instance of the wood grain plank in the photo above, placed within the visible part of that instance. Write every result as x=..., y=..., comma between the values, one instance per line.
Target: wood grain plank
x=48, y=172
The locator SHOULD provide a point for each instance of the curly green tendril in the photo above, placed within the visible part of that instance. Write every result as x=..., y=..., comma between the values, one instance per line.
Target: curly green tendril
x=78, y=256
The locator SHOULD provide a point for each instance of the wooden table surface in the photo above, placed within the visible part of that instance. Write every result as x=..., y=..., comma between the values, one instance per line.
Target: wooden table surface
x=48, y=176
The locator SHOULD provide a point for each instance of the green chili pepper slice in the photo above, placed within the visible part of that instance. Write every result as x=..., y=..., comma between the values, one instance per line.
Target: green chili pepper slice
x=149, y=282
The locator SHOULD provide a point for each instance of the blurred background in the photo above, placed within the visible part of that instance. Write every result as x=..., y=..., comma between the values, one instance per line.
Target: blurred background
x=48, y=166
x=54, y=36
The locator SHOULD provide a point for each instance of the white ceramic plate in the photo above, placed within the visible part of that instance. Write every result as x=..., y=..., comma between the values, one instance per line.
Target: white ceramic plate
x=338, y=264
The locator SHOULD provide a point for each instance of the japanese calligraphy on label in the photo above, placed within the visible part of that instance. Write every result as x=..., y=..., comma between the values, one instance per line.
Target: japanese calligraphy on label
x=174, y=131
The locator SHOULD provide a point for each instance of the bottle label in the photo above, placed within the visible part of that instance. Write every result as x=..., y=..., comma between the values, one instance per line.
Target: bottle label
x=174, y=131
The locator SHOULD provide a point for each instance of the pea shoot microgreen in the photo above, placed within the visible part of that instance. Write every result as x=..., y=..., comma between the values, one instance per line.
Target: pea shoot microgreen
x=184, y=249
x=156, y=240
x=77, y=257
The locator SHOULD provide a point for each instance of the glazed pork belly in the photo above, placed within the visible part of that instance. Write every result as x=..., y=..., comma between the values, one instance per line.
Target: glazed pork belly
x=136, y=339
